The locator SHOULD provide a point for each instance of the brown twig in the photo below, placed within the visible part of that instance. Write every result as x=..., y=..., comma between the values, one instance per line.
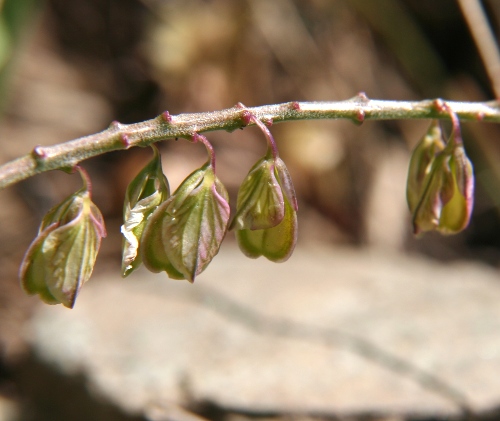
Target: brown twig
x=123, y=136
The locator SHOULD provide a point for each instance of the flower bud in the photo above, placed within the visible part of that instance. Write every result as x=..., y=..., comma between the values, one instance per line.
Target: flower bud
x=266, y=216
x=61, y=258
x=443, y=199
x=145, y=192
x=185, y=232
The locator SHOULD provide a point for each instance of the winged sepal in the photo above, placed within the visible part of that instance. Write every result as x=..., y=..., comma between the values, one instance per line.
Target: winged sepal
x=61, y=258
x=144, y=194
x=185, y=232
x=431, y=144
x=457, y=212
x=266, y=216
x=286, y=184
x=276, y=243
x=260, y=201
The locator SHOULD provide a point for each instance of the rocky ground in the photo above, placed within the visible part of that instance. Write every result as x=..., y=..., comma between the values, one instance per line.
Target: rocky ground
x=333, y=333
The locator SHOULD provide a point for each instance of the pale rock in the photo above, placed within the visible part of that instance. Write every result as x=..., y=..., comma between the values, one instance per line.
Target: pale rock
x=332, y=331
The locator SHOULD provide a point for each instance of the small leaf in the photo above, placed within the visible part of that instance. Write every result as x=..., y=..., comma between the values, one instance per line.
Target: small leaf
x=145, y=192
x=61, y=259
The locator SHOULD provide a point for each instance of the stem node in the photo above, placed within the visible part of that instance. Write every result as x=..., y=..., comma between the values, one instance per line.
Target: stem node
x=362, y=97
x=166, y=117
x=246, y=116
x=125, y=140
x=439, y=105
x=359, y=117
x=116, y=125
x=39, y=153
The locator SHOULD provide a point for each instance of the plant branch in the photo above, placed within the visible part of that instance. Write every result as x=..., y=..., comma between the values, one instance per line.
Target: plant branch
x=123, y=136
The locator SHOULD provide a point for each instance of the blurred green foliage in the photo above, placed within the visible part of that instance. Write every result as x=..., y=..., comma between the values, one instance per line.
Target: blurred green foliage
x=15, y=18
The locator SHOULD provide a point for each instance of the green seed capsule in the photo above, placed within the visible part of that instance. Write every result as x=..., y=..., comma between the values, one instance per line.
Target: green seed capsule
x=144, y=194
x=440, y=188
x=61, y=258
x=266, y=215
x=184, y=233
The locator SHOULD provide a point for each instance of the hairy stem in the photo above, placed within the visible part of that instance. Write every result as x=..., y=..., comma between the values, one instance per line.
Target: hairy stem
x=123, y=136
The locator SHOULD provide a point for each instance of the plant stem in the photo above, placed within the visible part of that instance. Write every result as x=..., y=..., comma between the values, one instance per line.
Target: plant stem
x=123, y=136
x=271, y=143
x=484, y=38
x=210, y=149
x=457, y=130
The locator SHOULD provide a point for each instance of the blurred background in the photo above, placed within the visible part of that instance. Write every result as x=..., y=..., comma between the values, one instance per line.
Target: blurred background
x=69, y=68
